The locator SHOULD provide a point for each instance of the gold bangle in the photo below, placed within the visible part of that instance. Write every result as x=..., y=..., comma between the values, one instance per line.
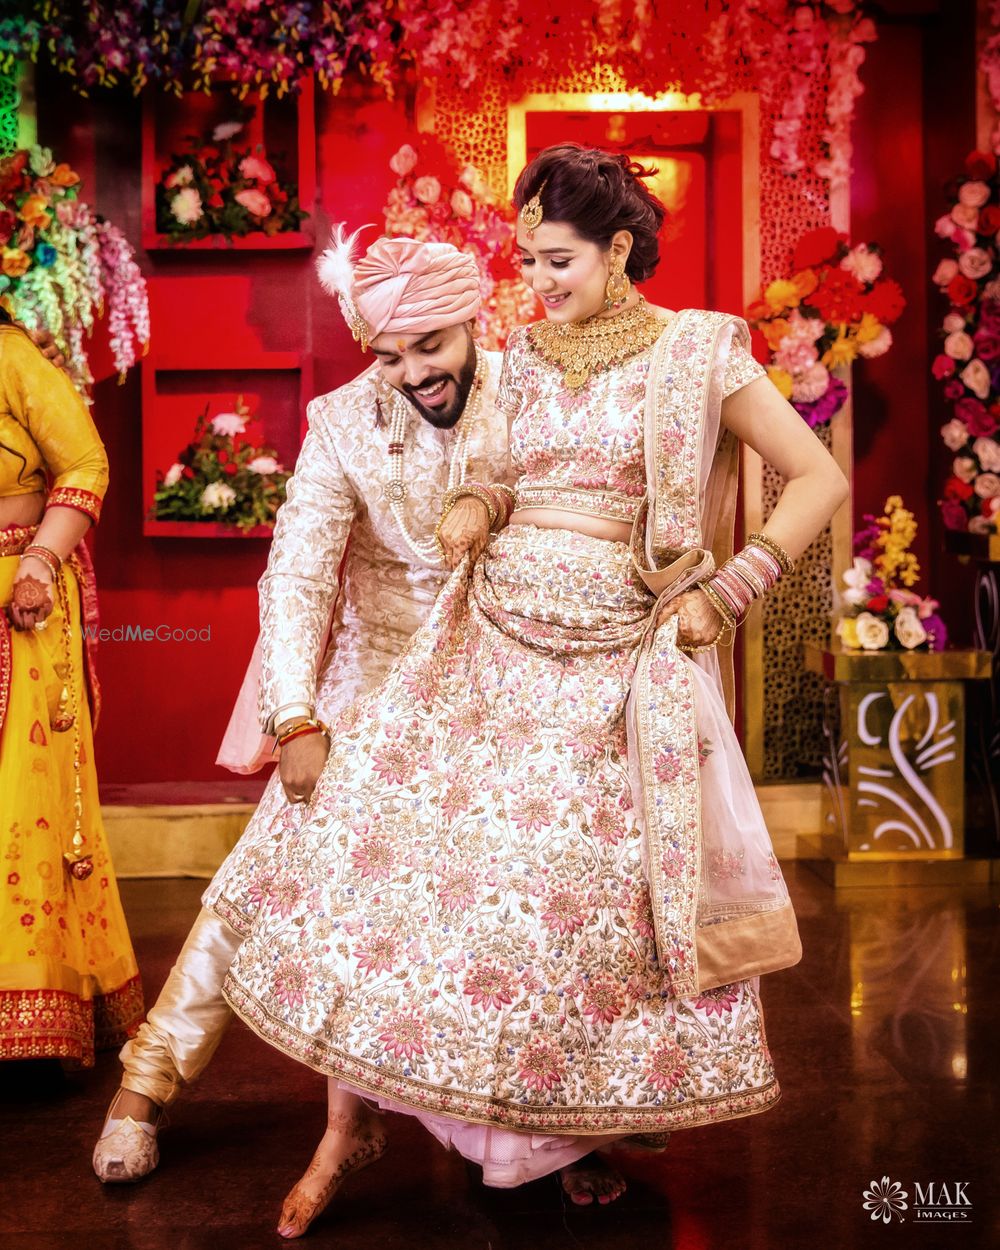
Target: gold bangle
x=47, y=557
x=477, y=492
x=717, y=602
x=717, y=641
x=775, y=549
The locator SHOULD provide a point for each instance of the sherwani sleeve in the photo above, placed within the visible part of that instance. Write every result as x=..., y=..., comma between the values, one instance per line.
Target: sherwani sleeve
x=299, y=585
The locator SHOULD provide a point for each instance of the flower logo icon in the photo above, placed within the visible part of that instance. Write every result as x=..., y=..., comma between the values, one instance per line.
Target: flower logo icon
x=883, y=1198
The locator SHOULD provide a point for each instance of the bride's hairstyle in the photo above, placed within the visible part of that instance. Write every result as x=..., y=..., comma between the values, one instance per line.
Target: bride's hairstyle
x=597, y=193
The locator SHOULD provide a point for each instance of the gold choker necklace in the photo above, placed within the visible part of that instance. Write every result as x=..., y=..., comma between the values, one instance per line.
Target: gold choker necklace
x=582, y=348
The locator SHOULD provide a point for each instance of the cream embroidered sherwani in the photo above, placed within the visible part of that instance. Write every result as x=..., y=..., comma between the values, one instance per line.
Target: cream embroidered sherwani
x=336, y=500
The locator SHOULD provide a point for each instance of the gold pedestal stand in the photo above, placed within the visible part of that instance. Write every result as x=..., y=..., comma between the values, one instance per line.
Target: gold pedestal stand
x=894, y=768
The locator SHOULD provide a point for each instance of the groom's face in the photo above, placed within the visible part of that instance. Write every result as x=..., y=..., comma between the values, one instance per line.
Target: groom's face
x=433, y=369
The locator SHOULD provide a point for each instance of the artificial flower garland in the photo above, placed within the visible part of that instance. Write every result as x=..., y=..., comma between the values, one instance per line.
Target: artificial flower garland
x=217, y=189
x=222, y=476
x=429, y=201
x=835, y=307
x=968, y=364
x=62, y=265
x=883, y=613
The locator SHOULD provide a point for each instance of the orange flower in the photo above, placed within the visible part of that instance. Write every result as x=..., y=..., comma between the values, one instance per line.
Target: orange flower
x=63, y=176
x=33, y=212
x=774, y=332
x=805, y=282
x=15, y=262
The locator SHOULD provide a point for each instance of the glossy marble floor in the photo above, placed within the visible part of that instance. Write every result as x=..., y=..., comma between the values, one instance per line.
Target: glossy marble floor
x=886, y=1038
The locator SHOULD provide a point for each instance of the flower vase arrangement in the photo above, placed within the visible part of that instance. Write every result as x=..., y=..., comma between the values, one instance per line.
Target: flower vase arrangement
x=883, y=613
x=835, y=307
x=215, y=188
x=968, y=364
x=222, y=476
x=430, y=201
x=62, y=265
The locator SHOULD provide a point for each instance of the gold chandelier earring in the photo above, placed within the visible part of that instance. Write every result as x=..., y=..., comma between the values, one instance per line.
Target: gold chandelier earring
x=616, y=292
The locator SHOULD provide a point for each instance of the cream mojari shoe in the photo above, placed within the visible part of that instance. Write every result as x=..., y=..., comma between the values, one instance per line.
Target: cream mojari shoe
x=126, y=1150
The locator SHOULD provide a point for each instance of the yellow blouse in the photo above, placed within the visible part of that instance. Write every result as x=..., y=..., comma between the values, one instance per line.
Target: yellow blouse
x=48, y=441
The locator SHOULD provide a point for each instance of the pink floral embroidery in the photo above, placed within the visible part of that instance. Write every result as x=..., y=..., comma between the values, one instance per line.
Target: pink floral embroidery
x=588, y=742
x=717, y=1001
x=282, y=895
x=724, y=865
x=608, y=823
x=667, y=766
x=563, y=911
x=375, y=859
x=603, y=1001
x=393, y=763
x=704, y=750
x=458, y=798
x=291, y=981
x=666, y=1067
x=457, y=890
x=642, y=915
x=533, y=813
x=541, y=1065
x=490, y=985
x=405, y=1034
x=377, y=955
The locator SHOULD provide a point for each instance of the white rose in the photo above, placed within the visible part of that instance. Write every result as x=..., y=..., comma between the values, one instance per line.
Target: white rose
x=173, y=475
x=186, y=206
x=228, y=423
x=964, y=468
x=264, y=464
x=987, y=450
x=959, y=346
x=909, y=629
x=976, y=263
x=859, y=574
x=854, y=597
x=217, y=496
x=974, y=194
x=976, y=377
x=863, y=264
x=873, y=633
x=955, y=434
x=945, y=271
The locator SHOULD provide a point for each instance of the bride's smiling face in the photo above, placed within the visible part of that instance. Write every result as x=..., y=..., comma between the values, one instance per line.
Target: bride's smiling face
x=567, y=272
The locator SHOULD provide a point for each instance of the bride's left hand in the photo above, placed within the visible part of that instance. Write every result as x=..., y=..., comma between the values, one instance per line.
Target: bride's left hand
x=465, y=528
x=700, y=623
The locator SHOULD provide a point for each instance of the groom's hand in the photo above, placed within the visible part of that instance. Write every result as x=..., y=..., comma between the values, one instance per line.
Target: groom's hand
x=299, y=765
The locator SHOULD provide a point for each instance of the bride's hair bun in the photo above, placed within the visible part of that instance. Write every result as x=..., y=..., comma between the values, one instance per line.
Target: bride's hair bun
x=597, y=193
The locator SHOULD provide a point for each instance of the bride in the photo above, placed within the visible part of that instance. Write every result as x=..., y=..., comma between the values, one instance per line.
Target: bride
x=532, y=893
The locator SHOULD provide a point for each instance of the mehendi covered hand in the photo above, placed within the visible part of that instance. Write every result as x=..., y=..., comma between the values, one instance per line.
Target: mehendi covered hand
x=700, y=624
x=465, y=528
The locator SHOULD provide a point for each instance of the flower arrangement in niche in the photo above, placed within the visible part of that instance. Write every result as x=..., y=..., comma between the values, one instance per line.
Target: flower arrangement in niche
x=882, y=611
x=216, y=189
x=968, y=364
x=431, y=201
x=834, y=308
x=222, y=476
x=61, y=266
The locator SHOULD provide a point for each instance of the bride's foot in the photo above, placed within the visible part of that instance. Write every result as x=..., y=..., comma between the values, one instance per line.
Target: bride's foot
x=127, y=1149
x=349, y=1144
x=591, y=1179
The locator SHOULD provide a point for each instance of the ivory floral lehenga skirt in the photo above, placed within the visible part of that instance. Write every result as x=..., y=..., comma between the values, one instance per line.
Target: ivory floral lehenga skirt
x=460, y=922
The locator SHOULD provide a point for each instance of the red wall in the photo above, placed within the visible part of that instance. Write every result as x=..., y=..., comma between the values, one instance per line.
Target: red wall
x=166, y=704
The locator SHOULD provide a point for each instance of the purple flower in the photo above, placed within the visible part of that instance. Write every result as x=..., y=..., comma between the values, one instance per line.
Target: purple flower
x=937, y=633
x=826, y=407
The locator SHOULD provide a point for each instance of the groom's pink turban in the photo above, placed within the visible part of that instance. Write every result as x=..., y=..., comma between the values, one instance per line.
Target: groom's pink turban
x=407, y=287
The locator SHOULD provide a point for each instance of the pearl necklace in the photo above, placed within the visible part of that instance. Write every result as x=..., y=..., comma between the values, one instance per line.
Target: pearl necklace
x=396, y=490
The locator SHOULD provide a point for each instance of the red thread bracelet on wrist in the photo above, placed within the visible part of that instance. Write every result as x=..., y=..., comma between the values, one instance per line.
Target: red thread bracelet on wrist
x=298, y=733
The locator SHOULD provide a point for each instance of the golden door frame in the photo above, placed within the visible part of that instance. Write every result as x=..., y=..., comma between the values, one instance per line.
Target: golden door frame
x=748, y=107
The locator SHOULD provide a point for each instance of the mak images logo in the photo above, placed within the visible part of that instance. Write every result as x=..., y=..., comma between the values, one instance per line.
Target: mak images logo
x=937, y=1202
x=884, y=1199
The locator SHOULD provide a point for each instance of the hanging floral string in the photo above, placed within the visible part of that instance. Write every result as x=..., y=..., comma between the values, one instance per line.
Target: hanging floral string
x=62, y=265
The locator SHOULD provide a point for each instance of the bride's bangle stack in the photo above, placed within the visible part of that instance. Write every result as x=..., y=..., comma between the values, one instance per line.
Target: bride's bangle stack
x=749, y=575
x=498, y=498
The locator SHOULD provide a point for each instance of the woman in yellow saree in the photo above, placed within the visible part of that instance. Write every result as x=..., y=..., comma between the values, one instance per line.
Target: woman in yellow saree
x=69, y=983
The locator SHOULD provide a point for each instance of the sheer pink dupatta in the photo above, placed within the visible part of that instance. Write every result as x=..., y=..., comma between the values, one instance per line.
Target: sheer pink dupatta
x=245, y=749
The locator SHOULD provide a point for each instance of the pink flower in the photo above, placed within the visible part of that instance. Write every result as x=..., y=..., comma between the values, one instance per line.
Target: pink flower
x=964, y=468
x=945, y=271
x=864, y=264
x=976, y=377
x=878, y=346
x=456, y=891
x=427, y=189
x=461, y=203
x=959, y=346
x=666, y=1067
x=955, y=434
x=965, y=217
x=975, y=194
x=283, y=893
x=719, y=1001
x=954, y=321
x=563, y=911
x=795, y=355
x=405, y=1034
x=812, y=385
x=667, y=766
x=257, y=170
x=393, y=763
x=403, y=161
x=987, y=450
x=375, y=859
x=541, y=1064
x=976, y=263
x=603, y=1001
x=608, y=824
x=490, y=985
x=291, y=980
x=533, y=813
x=987, y=486
x=377, y=955
x=255, y=202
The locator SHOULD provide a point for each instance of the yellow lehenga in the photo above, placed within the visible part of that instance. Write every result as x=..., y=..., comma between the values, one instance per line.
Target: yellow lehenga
x=69, y=983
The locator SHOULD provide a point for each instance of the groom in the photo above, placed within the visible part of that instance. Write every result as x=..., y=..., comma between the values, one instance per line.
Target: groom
x=376, y=463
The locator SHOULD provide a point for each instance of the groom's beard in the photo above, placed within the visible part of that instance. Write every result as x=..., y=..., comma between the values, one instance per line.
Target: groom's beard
x=446, y=417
